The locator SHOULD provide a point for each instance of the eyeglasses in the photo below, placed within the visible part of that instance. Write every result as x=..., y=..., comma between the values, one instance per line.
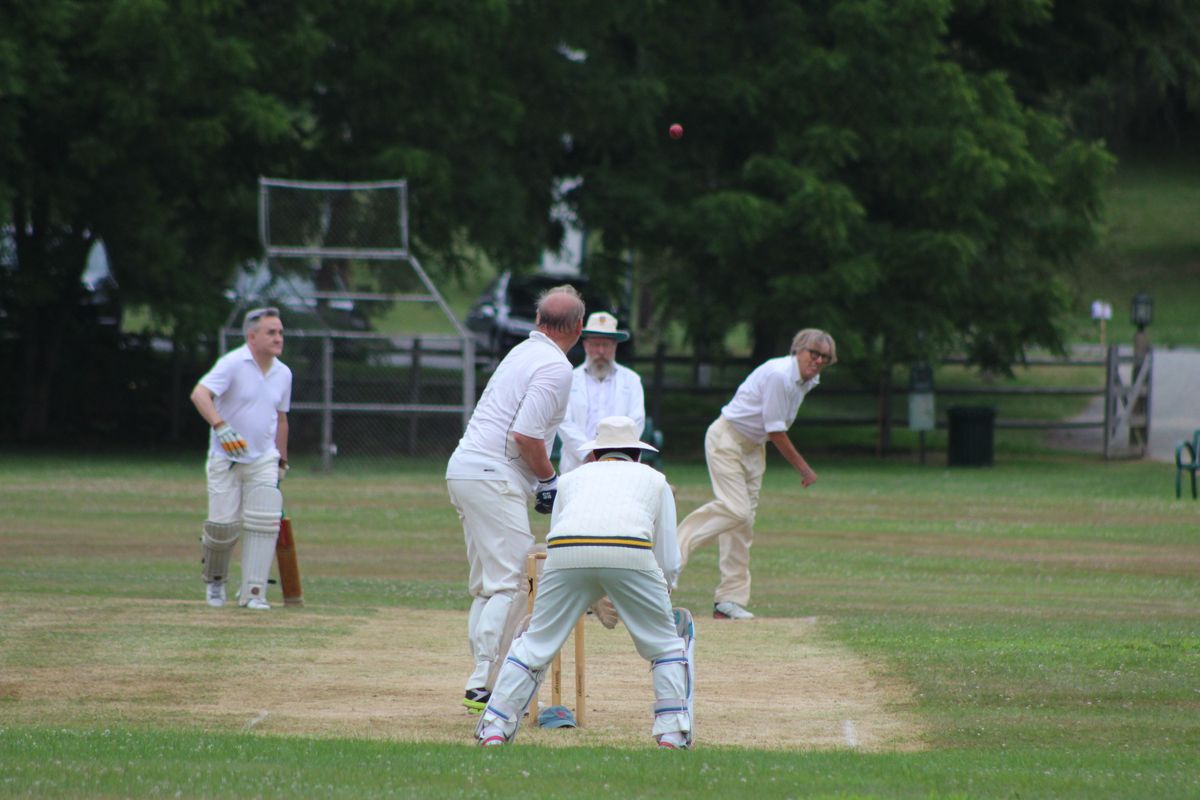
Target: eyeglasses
x=819, y=355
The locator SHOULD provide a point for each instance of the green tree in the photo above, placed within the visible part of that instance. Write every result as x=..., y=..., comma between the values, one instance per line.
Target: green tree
x=1128, y=71
x=141, y=123
x=839, y=169
x=146, y=123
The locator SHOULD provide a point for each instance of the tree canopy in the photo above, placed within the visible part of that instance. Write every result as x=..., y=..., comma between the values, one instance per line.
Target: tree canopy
x=914, y=175
x=839, y=168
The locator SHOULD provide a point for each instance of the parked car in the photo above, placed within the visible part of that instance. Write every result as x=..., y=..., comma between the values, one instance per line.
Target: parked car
x=254, y=284
x=504, y=313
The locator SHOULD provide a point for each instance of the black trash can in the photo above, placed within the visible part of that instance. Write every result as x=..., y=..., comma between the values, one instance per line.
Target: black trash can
x=972, y=435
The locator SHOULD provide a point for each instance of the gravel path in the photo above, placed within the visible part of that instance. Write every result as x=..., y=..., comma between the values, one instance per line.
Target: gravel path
x=1175, y=401
x=1174, y=408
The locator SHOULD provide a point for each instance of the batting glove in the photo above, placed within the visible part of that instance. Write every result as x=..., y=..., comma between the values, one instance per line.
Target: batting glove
x=231, y=441
x=545, y=493
x=283, y=469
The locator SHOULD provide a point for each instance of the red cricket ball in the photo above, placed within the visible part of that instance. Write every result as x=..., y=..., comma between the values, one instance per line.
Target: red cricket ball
x=676, y=131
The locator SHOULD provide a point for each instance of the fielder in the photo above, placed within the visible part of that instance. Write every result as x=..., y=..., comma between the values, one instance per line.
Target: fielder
x=763, y=408
x=245, y=397
x=503, y=456
x=612, y=532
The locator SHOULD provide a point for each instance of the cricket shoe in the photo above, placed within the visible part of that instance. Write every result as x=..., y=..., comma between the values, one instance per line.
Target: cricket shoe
x=476, y=700
x=730, y=610
x=215, y=594
x=258, y=604
x=672, y=741
x=491, y=737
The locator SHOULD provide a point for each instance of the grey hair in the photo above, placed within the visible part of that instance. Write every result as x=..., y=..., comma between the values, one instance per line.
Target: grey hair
x=560, y=317
x=814, y=336
x=250, y=321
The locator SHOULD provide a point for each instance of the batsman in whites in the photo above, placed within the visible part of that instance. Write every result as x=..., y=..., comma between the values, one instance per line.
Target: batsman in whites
x=245, y=398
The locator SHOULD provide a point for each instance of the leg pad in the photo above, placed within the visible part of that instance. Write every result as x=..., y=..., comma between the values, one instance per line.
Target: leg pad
x=262, y=509
x=217, y=546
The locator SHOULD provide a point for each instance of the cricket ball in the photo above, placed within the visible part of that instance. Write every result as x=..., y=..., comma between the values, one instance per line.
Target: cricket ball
x=676, y=131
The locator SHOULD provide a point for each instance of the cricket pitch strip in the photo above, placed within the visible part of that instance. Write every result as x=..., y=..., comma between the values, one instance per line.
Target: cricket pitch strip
x=397, y=674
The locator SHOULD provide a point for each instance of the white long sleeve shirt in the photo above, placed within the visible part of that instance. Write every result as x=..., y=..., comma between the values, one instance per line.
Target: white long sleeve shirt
x=618, y=395
x=614, y=514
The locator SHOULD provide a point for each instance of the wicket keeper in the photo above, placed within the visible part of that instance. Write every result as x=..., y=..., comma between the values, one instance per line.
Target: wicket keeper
x=612, y=532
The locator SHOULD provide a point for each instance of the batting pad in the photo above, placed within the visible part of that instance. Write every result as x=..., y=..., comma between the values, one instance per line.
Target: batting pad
x=516, y=687
x=685, y=626
x=217, y=545
x=671, y=678
x=262, y=508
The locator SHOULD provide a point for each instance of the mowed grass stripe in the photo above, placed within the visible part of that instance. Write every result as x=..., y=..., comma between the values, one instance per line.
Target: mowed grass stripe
x=1045, y=613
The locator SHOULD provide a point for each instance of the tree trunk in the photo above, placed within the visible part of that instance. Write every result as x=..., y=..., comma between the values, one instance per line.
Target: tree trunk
x=43, y=349
x=883, y=442
x=766, y=341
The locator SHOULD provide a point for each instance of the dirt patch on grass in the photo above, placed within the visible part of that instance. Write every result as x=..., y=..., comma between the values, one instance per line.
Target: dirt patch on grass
x=397, y=674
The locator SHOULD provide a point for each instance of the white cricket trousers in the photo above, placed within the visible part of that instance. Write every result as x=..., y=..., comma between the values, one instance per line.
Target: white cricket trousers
x=641, y=599
x=735, y=467
x=228, y=480
x=495, y=520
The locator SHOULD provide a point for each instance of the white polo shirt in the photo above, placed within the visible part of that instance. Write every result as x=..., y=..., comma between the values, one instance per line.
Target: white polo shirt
x=769, y=399
x=249, y=400
x=527, y=394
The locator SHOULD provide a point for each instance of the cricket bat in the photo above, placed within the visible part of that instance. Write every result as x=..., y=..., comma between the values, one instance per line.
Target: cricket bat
x=289, y=569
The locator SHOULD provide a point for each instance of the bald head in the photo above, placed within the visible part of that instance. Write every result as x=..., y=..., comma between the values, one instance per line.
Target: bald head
x=560, y=315
x=560, y=309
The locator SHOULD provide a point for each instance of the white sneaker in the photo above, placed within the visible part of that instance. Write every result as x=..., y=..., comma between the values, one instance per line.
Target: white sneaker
x=215, y=594
x=730, y=610
x=492, y=736
x=258, y=604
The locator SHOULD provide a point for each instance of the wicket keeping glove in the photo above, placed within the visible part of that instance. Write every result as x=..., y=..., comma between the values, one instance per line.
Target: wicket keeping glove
x=231, y=441
x=606, y=612
x=545, y=493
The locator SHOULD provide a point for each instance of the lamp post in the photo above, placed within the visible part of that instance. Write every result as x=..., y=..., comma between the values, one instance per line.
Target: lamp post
x=1141, y=314
x=1141, y=311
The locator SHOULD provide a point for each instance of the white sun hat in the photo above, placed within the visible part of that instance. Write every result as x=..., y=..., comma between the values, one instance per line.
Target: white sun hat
x=603, y=324
x=616, y=433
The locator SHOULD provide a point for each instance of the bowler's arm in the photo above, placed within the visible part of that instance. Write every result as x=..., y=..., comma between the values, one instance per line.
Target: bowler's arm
x=784, y=445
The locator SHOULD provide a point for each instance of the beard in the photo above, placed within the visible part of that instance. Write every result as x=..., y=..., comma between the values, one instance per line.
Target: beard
x=599, y=368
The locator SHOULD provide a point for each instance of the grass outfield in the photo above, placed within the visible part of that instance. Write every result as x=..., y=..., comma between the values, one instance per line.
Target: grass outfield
x=1044, y=612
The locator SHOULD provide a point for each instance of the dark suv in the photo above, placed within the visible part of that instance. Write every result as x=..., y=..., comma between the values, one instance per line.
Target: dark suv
x=503, y=315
